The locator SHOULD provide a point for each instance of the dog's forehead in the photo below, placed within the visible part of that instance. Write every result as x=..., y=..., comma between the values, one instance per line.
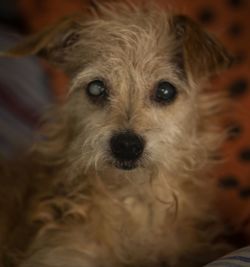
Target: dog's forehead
x=133, y=36
x=115, y=45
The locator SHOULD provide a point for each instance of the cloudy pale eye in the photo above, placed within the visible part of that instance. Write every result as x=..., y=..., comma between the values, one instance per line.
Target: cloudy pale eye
x=96, y=89
x=97, y=92
x=165, y=92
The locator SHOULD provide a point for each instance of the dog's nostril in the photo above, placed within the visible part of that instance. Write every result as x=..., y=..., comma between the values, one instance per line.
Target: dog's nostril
x=127, y=146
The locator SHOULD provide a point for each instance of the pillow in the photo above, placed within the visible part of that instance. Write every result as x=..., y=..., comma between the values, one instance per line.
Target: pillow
x=239, y=258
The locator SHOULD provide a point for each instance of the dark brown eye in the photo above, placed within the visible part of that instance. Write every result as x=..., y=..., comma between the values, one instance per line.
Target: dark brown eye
x=165, y=92
x=97, y=90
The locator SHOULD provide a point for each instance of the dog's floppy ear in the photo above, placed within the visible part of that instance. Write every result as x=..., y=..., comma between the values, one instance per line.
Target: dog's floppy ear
x=53, y=43
x=203, y=55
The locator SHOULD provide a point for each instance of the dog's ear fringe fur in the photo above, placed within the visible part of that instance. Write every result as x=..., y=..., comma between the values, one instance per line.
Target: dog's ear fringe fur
x=203, y=53
x=58, y=36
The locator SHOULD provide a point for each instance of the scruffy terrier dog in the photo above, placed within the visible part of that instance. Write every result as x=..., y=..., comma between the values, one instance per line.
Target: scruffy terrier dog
x=122, y=173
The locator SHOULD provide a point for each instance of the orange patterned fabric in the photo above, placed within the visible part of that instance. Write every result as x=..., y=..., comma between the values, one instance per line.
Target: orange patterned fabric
x=229, y=20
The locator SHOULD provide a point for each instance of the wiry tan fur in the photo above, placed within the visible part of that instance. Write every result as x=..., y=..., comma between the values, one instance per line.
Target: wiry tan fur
x=66, y=204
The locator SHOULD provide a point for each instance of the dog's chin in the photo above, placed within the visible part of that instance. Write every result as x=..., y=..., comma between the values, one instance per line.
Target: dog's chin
x=126, y=165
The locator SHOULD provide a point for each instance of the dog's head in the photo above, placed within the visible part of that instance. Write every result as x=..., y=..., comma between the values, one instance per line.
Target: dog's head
x=134, y=99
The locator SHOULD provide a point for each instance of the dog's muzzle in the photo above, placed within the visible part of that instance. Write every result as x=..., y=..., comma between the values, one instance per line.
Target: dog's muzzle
x=127, y=148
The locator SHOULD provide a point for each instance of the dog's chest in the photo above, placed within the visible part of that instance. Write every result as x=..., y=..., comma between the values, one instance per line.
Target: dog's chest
x=147, y=214
x=141, y=227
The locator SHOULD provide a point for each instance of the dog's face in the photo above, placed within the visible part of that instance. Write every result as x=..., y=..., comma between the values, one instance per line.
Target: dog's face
x=130, y=104
x=134, y=96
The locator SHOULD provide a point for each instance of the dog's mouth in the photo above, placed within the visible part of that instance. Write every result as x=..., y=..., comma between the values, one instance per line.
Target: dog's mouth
x=127, y=165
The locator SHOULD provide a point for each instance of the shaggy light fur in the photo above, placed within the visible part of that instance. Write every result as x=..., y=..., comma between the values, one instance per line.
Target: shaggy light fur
x=66, y=203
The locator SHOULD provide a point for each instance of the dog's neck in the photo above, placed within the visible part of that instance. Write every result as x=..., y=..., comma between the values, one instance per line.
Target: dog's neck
x=148, y=184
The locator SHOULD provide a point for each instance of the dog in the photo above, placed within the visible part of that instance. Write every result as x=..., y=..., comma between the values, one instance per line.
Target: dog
x=122, y=172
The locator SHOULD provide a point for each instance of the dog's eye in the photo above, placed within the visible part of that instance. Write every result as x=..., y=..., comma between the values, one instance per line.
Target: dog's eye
x=165, y=92
x=97, y=89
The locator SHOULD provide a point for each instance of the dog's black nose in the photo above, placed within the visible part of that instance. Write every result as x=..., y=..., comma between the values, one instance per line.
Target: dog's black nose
x=127, y=146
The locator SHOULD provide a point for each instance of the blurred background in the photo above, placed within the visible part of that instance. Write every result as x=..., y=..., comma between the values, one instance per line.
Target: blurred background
x=29, y=86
